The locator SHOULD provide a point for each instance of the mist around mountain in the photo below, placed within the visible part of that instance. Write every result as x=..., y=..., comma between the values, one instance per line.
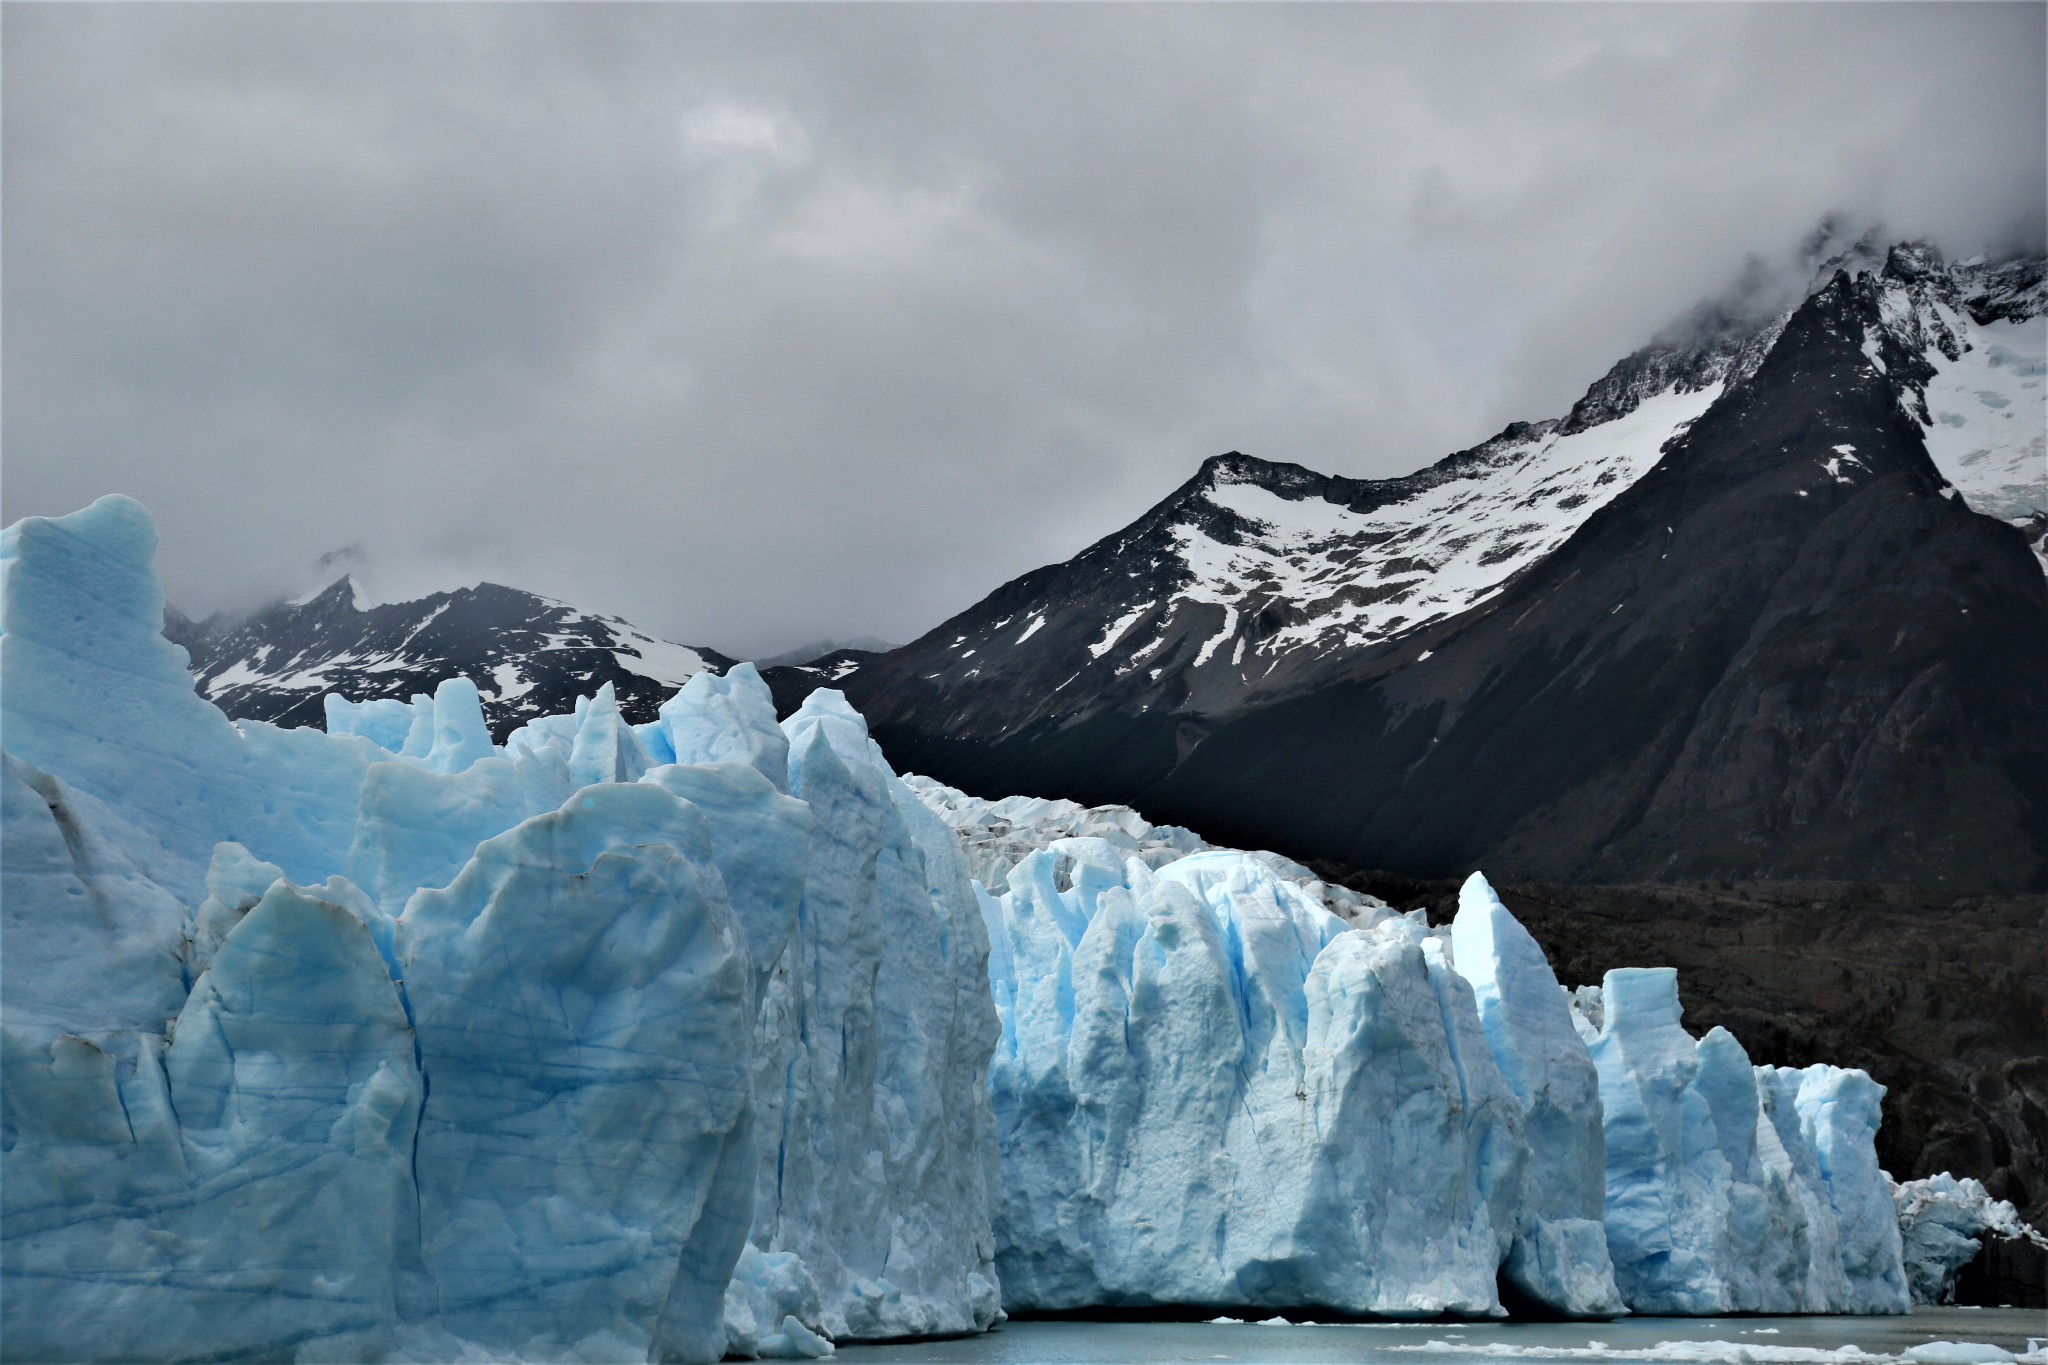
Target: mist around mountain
x=818, y=649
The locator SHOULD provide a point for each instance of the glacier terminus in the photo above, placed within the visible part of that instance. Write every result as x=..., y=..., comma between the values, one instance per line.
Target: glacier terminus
x=715, y=1036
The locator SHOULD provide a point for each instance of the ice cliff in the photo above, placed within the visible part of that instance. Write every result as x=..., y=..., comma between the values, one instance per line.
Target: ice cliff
x=714, y=1035
x=1734, y=1188
x=665, y=1040
x=1223, y=1082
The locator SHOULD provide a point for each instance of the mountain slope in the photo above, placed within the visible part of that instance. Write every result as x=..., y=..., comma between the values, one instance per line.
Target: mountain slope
x=1775, y=640
x=1849, y=686
x=529, y=656
x=1251, y=576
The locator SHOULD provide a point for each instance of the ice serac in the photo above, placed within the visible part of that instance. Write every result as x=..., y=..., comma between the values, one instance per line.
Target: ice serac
x=728, y=719
x=1559, y=1256
x=872, y=1103
x=1733, y=1188
x=499, y=1088
x=241, y=1191
x=97, y=697
x=1942, y=1224
x=1839, y=1110
x=1211, y=1090
x=560, y=1194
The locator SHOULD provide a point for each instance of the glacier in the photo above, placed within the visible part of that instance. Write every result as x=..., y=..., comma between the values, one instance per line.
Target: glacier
x=1373, y=1116
x=671, y=1040
x=1734, y=1188
x=715, y=1036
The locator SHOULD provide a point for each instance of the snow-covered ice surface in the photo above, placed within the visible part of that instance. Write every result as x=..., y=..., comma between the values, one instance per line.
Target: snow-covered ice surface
x=1988, y=409
x=391, y=1040
x=995, y=835
x=1993, y=1334
x=1984, y=412
x=1980, y=391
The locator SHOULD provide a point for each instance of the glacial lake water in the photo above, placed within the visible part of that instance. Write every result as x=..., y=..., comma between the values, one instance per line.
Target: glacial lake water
x=1736, y=1341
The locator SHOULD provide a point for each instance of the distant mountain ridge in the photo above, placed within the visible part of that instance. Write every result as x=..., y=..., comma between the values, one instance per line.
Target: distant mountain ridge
x=529, y=656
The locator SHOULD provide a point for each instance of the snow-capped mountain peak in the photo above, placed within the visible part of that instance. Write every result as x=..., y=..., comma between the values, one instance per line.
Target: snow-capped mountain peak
x=344, y=588
x=1254, y=572
x=528, y=655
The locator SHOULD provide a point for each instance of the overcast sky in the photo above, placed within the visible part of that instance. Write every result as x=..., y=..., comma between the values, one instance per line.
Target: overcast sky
x=773, y=322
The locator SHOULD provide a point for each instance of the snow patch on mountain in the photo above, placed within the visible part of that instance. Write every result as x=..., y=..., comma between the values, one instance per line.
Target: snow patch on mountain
x=1352, y=578
x=1975, y=342
x=1988, y=411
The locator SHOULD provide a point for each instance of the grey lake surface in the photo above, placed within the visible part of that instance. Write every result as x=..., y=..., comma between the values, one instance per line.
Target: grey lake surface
x=1736, y=1340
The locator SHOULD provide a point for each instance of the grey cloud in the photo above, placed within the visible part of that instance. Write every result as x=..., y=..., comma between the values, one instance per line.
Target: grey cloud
x=759, y=324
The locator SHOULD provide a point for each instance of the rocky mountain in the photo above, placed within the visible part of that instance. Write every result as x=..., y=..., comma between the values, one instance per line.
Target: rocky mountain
x=1761, y=605
x=529, y=656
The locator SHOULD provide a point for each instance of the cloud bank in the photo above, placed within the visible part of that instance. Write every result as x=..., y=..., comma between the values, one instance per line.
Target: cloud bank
x=757, y=324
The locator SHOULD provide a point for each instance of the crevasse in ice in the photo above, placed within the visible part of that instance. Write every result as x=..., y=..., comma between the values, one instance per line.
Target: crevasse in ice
x=318, y=1042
